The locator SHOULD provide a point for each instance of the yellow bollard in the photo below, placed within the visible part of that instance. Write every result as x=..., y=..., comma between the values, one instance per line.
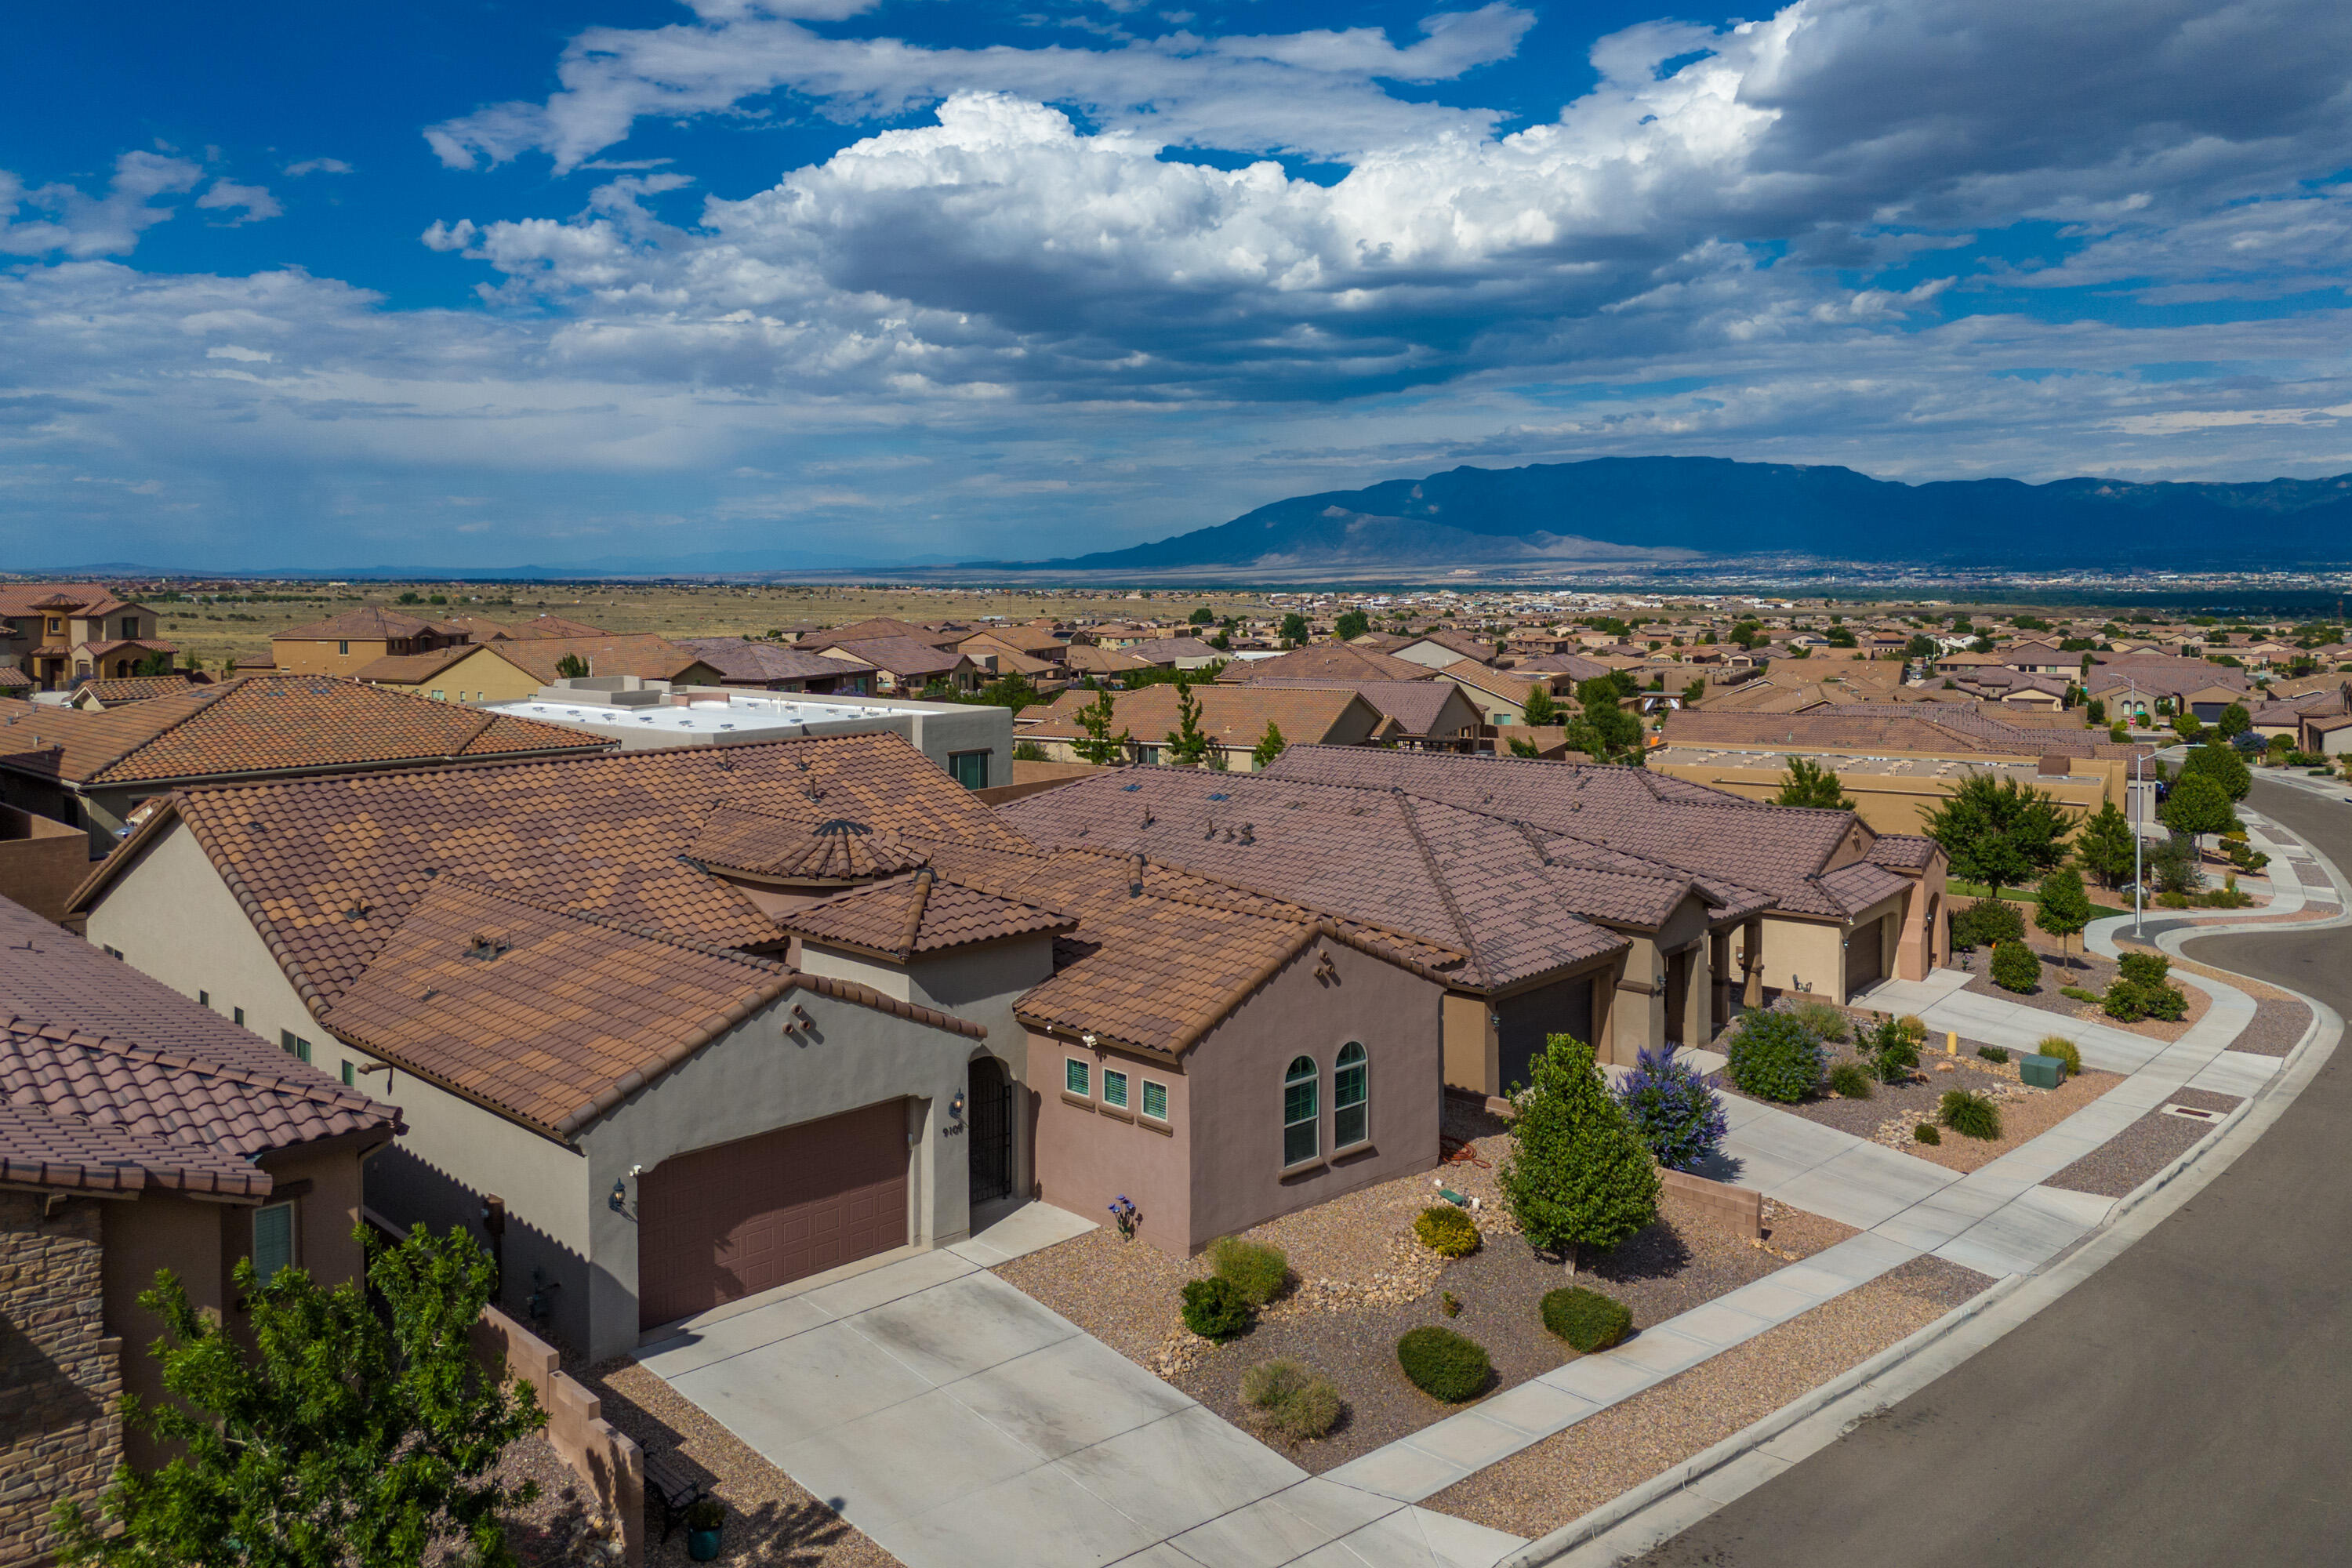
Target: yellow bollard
x=1951, y=1042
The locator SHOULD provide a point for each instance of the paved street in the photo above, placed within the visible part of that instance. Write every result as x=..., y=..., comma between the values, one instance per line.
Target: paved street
x=2190, y=1404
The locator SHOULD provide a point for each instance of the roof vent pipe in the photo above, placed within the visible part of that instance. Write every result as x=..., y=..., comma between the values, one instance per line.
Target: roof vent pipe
x=1135, y=875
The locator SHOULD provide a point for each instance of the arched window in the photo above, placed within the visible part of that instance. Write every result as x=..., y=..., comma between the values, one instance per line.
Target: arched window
x=1350, y=1118
x=1299, y=1113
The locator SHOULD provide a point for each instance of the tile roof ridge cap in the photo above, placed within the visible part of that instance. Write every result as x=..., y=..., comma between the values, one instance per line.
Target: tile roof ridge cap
x=1469, y=945
x=921, y=886
x=198, y=699
x=587, y=917
x=326, y=1091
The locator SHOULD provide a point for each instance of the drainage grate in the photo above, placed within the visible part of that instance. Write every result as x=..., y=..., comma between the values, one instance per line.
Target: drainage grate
x=2192, y=1112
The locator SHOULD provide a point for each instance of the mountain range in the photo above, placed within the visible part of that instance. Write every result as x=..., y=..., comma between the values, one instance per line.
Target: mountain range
x=1659, y=510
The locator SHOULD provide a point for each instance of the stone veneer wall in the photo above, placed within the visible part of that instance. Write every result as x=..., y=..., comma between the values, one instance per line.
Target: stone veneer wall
x=59, y=1375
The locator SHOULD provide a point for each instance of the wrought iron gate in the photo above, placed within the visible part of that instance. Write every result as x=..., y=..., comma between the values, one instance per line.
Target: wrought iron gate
x=991, y=1113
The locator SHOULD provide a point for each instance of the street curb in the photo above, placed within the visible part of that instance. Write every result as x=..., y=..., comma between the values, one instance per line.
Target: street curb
x=1673, y=1498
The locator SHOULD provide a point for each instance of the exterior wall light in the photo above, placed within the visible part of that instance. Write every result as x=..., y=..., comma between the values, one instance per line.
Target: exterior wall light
x=955, y=1107
x=619, y=1198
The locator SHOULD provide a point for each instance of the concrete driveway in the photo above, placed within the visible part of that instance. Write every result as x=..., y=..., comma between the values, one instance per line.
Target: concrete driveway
x=961, y=1425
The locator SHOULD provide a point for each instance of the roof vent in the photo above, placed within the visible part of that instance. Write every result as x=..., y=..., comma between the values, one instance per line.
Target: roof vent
x=1249, y=833
x=843, y=825
x=1221, y=795
x=1135, y=876
x=1129, y=789
x=485, y=947
x=358, y=911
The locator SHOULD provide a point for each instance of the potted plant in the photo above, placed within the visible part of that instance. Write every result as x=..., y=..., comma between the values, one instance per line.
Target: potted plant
x=704, y=1516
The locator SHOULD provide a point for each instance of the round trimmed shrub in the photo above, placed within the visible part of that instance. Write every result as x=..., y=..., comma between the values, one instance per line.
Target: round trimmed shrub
x=1215, y=1309
x=1926, y=1133
x=1292, y=1399
x=1969, y=1115
x=1986, y=922
x=1775, y=1057
x=1444, y=1365
x=1849, y=1080
x=2014, y=967
x=1256, y=1271
x=1586, y=1319
x=2065, y=1050
x=1672, y=1109
x=1447, y=1231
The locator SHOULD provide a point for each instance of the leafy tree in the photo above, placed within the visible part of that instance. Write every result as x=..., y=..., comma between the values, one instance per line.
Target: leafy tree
x=411, y=597
x=343, y=1437
x=1352, y=625
x=1269, y=746
x=2222, y=765
x=2119, y=733
x=1293, y=631
x=2174, y=865
x=154, y=664
x=2104, y=844
x=1220, y=640
x=1188, y=744
x=1694, y=692
x=1605, y=731
x=1999, y=832
x=572, y=667
x=2096, y=712
x=1522, y=747
x=1012, y=690
x=2188, y=726
x=1028, y=751
x=1841, y=637
x=2234, y=721
x=1540, y=709
x=2196, y=805
x=1205, y=617
x=2063, y=908
x=1921, y=647
x=1099, y=745
x=1809, y=784
x=1577, y=1175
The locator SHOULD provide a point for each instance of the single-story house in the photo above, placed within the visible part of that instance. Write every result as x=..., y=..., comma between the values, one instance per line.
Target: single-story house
x=774, y=667
x=1234, y=719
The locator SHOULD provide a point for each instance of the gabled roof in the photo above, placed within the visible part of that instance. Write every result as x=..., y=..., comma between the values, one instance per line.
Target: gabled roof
x=1416, y=707
x=414, y=668
x=482, y=629
x=902, y=656
x=110, y=1080
x=920, y=914
x=642, y=654
x=118, y=690
x=1233, y=717
x=883, y=627
x=371, y=623
x=1324, y=661
x=256, y=724
x=51, y=598
x=741, y=660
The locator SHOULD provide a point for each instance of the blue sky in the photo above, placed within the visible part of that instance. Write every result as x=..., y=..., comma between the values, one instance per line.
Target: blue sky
x=468, y=284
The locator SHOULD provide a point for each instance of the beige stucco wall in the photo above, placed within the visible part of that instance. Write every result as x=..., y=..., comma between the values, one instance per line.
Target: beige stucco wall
x=158, y=1229
x=481, y=676
x=1804, y=955
x=301, y=657
x=1472, y=1049
x=1899, y=802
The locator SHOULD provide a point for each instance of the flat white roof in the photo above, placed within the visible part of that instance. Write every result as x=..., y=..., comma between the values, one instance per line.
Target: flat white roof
x=704, y=716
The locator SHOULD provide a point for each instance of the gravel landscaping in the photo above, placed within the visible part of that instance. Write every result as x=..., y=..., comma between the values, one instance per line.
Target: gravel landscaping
x=771, y=1520
x=560, y=1526
x=2118, y=1166
x=1892, y=1110
x=2279, y=1026
x=2086, y=972
x=1565, y=1477
x=1362, y=1280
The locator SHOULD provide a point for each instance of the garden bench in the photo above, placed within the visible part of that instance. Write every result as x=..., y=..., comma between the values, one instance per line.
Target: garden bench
x=669, y=1480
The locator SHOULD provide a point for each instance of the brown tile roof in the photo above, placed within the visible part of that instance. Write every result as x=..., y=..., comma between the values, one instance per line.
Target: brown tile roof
x=13, y=678
x=920, y=914
x=253, y=724
x=1324, y=661
x=905, y=657
x=1231, y=716
x=1415, y=707
x=793, y=839
x=412, y=668
x=1085, y=659
x=1859, y=884
x=740, y=660
x=482, y=629
x=109, y=1079
x=883, y=627
x=1953, y=728
x=371, y=623
x=120, y=689
x=49, y=598
x=642, y=654
x=1168, y=650
x=554, y=1017
x=325, y=868
x=1904, y=851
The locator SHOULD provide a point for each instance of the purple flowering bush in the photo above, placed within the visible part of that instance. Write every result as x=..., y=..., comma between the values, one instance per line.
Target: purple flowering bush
x=1673, y=1110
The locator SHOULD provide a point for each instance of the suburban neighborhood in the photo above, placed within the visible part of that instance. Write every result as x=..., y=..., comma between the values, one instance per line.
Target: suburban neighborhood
x=1064, y=1050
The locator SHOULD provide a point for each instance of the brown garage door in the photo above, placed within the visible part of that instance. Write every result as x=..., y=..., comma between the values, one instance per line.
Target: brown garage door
x=1863, y=956
x=728, y=1222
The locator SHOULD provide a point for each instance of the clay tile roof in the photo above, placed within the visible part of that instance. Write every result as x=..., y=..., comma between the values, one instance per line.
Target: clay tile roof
x=902, y=656
x=1904, y=851
x=121, y=689
x=325, y=868
x=919, y=914
x=265, y=724
x=1859, y=884
x=110, y=1079
x=1235, y=717
x=1415, y=706
x=13, y=678
x=409, y=668
x=1324, y=661
x=737, y=658
x=803, y=845
x=370, y=622
x=879, y=627
x=642, y=654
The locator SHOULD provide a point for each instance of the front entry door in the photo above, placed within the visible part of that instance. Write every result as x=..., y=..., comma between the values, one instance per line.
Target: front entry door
x=989, y=1114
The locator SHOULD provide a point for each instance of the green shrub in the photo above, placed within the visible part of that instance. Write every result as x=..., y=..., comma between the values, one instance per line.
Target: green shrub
x=1215, y=1309
x=2065, y=1050
x=1969, y=1115
x=1447, y=1231
x=1986, y=922
x=2147, y=968
x=1255, y=1269
x=1820, y=1020
x=2014, y=967
x=2132, y=1000
x=1292, y=1399
x=1890, y=1048
x=1775, y=1057
x=1443, y=1365
x=1993, y=1053
x=1578, y=1174
x=1586, y=1319
x=2078, y=994
x=1925, y=1133
x=1848, y=1080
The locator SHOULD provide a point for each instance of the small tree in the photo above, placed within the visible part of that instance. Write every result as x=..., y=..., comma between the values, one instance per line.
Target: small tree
x=1999, y=832
x=2197, y=805
x=1809, y=784
x=1522, y=747
x=1188, y=744
x=2095, y=713
x=1205, y=617
x=1294, y=631
x=1352, y=625
x=154, y=664
x=340, y=1437
x=1540, y=709
x=1100, y=746
x=2104, y=844
x=1577, y=1174
x=1269, y=746
x=2063, y=908
x=2221, y=763
x=572, y=667
x=2234, y=721
x=1694, y=692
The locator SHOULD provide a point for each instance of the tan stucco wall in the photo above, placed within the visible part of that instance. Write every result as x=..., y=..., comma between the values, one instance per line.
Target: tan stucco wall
x=305, y=658
x=481, y=676
x=1899, y=802
x=1086, y=1156
x=1801, y=954
x=1472, y=1049
x=159, y=1229
x=42, y=861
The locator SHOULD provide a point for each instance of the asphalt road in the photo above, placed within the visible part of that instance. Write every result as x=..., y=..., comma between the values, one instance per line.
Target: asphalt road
x=2189, y=1404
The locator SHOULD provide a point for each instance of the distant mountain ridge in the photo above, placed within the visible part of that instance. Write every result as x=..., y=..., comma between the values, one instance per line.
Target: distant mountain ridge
x=1659, y=510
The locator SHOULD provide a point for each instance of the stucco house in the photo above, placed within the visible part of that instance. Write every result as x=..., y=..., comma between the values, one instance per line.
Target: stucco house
x=140, y=1129
x=59, y=633
x=344, y=644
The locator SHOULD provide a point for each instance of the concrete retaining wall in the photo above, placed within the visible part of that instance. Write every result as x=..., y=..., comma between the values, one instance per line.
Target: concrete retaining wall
x=606, y=1461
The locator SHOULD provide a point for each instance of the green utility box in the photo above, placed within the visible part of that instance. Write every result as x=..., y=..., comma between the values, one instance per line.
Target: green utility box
x=2041, y=1072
